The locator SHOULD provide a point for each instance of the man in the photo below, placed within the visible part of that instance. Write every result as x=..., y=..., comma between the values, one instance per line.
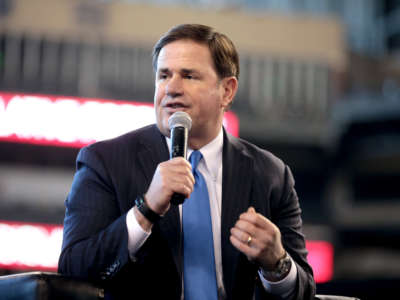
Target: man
x=120, y=226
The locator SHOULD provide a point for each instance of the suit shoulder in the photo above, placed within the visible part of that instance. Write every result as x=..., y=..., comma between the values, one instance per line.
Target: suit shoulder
x=260, y=156
x=122, y=146
x=130, y=138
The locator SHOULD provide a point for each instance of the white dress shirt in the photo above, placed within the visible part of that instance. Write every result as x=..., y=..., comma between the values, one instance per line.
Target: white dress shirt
x=211, y=169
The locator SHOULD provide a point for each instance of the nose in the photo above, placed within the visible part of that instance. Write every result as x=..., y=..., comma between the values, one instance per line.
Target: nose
x=174, y=86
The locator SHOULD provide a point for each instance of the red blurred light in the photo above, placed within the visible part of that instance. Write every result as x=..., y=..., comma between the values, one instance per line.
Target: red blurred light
x=75, y=122
x=29, y=246
x=320, y=257
x=35, y=246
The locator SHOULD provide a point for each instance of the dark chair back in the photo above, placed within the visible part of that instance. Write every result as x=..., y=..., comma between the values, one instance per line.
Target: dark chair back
x=54, y=286
x=331, y=297
x=46, y=286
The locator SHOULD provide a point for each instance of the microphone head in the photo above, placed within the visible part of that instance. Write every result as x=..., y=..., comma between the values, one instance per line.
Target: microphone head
x=180, y=119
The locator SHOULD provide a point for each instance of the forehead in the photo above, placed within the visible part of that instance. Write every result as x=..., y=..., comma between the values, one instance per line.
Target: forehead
x=185, y=54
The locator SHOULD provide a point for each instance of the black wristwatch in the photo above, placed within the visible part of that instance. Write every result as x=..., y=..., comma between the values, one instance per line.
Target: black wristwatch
x=146, y=211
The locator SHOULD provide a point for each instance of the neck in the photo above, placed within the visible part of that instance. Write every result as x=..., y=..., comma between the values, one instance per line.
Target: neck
x=196, y=143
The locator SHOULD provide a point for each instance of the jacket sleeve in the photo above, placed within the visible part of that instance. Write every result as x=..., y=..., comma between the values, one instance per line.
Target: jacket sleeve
x=287, y=216
x=95, y=235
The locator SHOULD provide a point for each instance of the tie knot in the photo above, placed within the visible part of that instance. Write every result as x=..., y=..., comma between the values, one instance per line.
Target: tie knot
x=195, y=157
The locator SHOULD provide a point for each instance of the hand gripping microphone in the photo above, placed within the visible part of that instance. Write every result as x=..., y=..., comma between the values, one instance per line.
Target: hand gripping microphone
x=179, y=124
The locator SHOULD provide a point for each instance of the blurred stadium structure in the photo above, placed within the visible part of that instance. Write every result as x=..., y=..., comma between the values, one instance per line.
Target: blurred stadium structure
x=319, y=87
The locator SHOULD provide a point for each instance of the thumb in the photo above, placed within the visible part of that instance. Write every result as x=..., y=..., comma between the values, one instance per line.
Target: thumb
x=251, y=209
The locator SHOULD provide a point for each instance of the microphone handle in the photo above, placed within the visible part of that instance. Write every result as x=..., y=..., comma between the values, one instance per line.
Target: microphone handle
x=179, y=137
x=177, y=199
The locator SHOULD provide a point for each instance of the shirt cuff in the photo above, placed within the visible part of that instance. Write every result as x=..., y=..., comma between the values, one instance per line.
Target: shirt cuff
x=136, y=235
x=284, y=287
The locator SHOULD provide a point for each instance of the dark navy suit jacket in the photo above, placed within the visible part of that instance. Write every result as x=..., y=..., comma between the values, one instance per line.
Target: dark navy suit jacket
x=111, y=174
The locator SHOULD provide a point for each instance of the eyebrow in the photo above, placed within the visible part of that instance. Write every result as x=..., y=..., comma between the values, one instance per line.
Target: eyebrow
x=184, y=71
x=163, y=70
x=188, y=71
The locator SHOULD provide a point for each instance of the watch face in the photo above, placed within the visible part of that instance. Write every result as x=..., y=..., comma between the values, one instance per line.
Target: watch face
x=282, y=268
x=139, y=201
x=284, y=265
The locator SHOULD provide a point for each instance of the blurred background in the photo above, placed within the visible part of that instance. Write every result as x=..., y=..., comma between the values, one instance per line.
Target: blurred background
x=319, y=87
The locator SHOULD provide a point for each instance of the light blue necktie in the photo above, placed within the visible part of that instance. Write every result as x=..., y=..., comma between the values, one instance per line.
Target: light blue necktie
x=200, y=281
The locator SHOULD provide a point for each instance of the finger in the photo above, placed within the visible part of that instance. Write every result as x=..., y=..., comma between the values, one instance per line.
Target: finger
x=182, y=185
x=251, y=240
x=242, y=231
x=239, y=244
x=251, y=210
x=243, y=247
x=178, y=170
x=246, y=227
x=183, y=168
x=181, y=176
x=265, y=237
x=256, y=219
x=170, y=178
x=180, y=161
x=181, y=188
x=191, y=177
x=242, y=236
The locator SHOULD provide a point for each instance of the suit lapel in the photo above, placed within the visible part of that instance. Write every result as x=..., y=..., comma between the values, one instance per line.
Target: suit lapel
x=236, y=188
x=153, y=151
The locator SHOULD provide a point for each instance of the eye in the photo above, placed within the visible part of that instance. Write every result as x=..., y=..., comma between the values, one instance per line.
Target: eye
x=162, y=76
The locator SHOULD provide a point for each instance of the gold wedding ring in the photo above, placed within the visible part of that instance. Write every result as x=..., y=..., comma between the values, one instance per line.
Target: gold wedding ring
x=249, y=240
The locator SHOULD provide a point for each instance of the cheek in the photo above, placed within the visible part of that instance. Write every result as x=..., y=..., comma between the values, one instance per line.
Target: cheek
x=162, y=121
x=157, y=95
x=212, y=105
x=160, y=113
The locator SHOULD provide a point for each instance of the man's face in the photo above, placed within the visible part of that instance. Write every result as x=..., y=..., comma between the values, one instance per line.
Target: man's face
x=187, y=81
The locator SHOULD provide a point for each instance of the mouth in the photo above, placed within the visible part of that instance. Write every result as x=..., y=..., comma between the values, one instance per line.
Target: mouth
x=175, y=106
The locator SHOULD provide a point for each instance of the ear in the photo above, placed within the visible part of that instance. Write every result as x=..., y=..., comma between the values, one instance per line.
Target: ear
x=229, y=86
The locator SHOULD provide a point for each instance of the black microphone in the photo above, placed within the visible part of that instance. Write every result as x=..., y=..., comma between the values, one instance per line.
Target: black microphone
x=179, y=124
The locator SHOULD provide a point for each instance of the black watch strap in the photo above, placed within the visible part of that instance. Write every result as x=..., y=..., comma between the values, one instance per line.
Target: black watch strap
x=146, y=211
